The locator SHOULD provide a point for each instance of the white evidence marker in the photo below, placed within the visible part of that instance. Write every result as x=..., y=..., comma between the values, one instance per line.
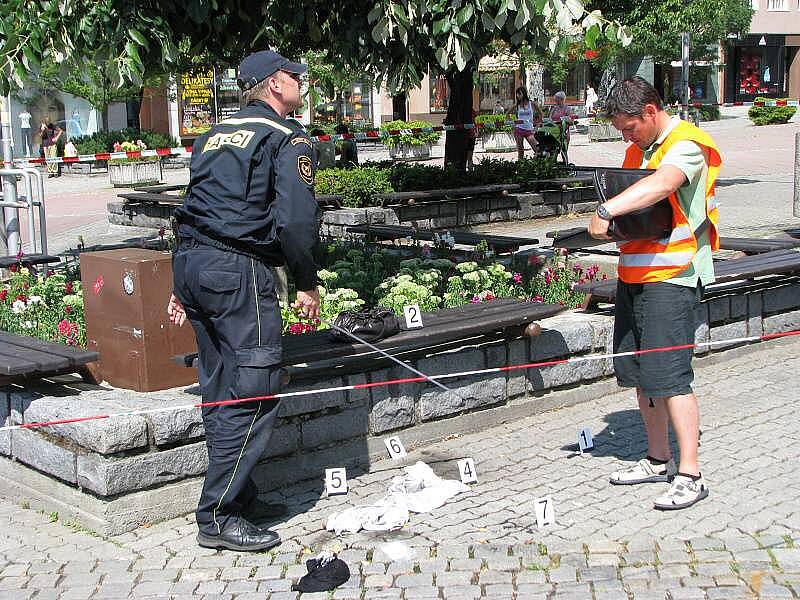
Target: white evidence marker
x=545, y=514
x=336, y=481
x=413, y=316
x=585, y=441
x=466, y=469
x=395, y=448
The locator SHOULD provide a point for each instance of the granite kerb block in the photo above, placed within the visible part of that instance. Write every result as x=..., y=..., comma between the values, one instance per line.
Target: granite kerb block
x=563, y=335
x=45, y=454
x=392, y=407
x=105, y=436
x=781, y=299
x=5, y=419
x=109, y=476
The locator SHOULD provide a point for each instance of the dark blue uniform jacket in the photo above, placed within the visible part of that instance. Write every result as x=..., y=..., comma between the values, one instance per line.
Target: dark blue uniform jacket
x=251, y=191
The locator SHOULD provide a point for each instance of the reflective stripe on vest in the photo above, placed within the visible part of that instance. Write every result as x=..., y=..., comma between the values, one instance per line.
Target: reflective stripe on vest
x=648, y=261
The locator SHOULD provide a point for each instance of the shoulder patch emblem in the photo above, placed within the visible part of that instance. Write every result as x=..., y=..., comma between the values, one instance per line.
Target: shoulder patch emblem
x=305, y=170
x=240, y=138
x=301, y=140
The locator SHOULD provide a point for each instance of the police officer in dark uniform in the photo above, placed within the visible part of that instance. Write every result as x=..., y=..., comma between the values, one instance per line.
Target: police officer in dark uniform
x=249, y=206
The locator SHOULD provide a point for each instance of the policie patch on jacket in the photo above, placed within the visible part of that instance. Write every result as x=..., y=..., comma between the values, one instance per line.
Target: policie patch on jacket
x=305, y=169
x=239, y=138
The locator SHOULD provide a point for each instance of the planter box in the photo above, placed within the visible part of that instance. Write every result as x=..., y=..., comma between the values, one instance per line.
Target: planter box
x=603, y=132
x=131, y=174
x=409, y=152
x=499, y=141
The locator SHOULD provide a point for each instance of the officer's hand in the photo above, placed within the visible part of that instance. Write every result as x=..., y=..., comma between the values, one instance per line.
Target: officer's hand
x=307, y=303
x=177, y=314
x=598, y=228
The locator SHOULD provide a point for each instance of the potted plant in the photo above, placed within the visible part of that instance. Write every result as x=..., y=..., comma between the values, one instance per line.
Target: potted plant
x=601, y=130
x=496, y=132
x=133, y=171
x=407, y=144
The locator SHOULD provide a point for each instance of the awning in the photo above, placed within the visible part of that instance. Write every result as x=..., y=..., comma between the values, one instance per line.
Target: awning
x=499, y=63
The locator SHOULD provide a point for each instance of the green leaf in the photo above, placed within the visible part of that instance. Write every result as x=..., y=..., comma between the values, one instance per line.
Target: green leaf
x=375, y=13
x=488, y=23
x=138, y=37
x=591, y=35
x=464, y=15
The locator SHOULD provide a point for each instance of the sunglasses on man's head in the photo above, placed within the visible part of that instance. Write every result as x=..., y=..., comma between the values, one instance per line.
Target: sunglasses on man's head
x=300, y=79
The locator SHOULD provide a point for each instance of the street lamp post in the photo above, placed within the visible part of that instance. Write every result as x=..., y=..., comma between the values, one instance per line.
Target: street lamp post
x=9, y=226
x=685, y=40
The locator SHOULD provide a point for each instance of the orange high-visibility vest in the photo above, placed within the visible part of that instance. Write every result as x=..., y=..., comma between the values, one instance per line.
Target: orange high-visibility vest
x=648, y=261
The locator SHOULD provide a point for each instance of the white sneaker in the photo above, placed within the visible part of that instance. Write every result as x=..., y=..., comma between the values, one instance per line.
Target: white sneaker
x=683, y=493
x=645, y=472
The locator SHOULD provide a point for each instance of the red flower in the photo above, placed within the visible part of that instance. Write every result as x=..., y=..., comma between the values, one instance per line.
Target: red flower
x=3, y=295
x=22, y=297
x=69, y=288
x=67, y=309
x=13, y=268
x=590, y=54
x=63, y=327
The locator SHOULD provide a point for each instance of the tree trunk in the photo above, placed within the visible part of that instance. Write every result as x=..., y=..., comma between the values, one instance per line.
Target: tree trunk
x=459, y=111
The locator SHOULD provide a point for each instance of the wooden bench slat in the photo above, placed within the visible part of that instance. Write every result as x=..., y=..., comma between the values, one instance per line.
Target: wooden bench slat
x=30, y=361
x=392, y=232
x=447, y=193
x=775, y=262
x=440, y=327
x=76, y=356
x=28, y=260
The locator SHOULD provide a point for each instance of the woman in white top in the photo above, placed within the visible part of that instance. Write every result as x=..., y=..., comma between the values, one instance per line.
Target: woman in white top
x=591, y=99
x=524, y=127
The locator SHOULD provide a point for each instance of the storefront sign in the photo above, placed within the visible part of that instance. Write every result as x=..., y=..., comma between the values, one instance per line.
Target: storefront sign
x=196, y=103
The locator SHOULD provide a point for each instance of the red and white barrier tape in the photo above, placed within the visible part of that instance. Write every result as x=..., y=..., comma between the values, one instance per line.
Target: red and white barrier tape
x=362, y=386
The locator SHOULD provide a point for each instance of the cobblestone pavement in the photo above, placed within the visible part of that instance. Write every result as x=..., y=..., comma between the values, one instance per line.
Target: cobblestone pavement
x=742, y=542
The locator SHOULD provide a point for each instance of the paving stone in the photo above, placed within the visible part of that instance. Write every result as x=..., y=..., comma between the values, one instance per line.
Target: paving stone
x=692, y=593
x=275, y=585
x=466, y=564
x=421, y=592
x=562, y=575
x=775, y=591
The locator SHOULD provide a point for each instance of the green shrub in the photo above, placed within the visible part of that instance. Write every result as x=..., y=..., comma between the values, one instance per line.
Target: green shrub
x=770, y=115
x=358, y=186
x=531, y=170
x=103, y=141
x=494, y=123
x=414, y=139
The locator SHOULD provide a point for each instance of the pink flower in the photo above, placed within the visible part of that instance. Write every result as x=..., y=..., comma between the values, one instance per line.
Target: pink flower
x=517, y=277
x=538, y=299
x=426, y=250
x=13, y=268
x=63, y=327
x=563, y=251
x=162, y=231
x=604, y=277
x=475, y=300
x=534, y=259
x=67, y=309
x=296, y=328
x=69, y=288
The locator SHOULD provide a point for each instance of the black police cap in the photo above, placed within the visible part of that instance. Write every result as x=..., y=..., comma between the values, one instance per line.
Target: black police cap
x=260, y=65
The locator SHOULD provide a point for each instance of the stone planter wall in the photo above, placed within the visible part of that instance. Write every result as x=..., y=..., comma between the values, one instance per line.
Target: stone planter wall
x=113, y=475
x=130, y=174
x=499, y=141
x=603, y=132
x=463, y=212
x=410, y=152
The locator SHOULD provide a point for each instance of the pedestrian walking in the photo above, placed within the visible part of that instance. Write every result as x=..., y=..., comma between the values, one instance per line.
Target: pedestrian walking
x=50, y=135
x=590, y=100
x=524, y=127
x=661, y=281
x=249, y=206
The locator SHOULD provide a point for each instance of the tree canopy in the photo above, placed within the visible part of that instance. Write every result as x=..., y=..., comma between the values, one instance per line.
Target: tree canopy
x=397, y=39
x=655, y=25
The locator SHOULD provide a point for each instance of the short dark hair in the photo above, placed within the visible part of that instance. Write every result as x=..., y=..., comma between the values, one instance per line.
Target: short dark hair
x=630, y=96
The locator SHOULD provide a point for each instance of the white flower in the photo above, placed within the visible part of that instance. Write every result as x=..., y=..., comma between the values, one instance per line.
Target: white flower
x=18, y=307
x=34, y=300
x=27, y=325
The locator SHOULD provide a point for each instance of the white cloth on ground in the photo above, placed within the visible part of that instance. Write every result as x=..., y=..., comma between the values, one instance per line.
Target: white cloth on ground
x=419, y=490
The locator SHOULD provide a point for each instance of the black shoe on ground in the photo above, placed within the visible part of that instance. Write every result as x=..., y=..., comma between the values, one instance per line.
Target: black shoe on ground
x=240, y=535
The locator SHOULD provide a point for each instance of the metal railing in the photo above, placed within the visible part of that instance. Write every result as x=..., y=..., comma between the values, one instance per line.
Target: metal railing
x=33, y=183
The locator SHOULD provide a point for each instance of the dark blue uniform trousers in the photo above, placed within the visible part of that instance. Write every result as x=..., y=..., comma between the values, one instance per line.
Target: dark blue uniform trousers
x=231, y=303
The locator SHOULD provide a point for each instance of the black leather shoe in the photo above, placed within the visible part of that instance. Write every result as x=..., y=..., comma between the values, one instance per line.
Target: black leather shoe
x=240, y=535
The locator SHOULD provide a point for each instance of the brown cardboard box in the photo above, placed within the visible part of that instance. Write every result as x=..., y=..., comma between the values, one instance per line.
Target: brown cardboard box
x=125, y=296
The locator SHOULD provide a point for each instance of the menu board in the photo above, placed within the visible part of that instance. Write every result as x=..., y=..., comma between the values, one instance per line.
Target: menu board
x=197, y=103
x=227, y=94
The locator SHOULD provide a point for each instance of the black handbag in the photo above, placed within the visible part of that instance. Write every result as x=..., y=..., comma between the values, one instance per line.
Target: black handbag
x=369, y=325
x=650, y=223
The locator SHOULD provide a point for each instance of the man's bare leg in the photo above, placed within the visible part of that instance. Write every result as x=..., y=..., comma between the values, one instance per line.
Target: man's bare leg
x=684, y=414
x=656, y=423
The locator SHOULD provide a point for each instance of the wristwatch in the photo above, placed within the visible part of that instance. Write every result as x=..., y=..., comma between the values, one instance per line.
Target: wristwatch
x=603, y=213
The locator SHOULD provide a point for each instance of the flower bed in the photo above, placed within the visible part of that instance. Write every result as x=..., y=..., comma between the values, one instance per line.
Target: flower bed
x=46, y=307
x=366, y=275
x=360, y=186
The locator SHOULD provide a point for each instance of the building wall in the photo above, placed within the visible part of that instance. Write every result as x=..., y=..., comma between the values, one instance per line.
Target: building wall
x=767, y=21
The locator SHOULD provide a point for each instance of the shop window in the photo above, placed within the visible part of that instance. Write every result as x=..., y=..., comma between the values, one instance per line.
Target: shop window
x=439, y=94
x=776, y=5
x=496, y=87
